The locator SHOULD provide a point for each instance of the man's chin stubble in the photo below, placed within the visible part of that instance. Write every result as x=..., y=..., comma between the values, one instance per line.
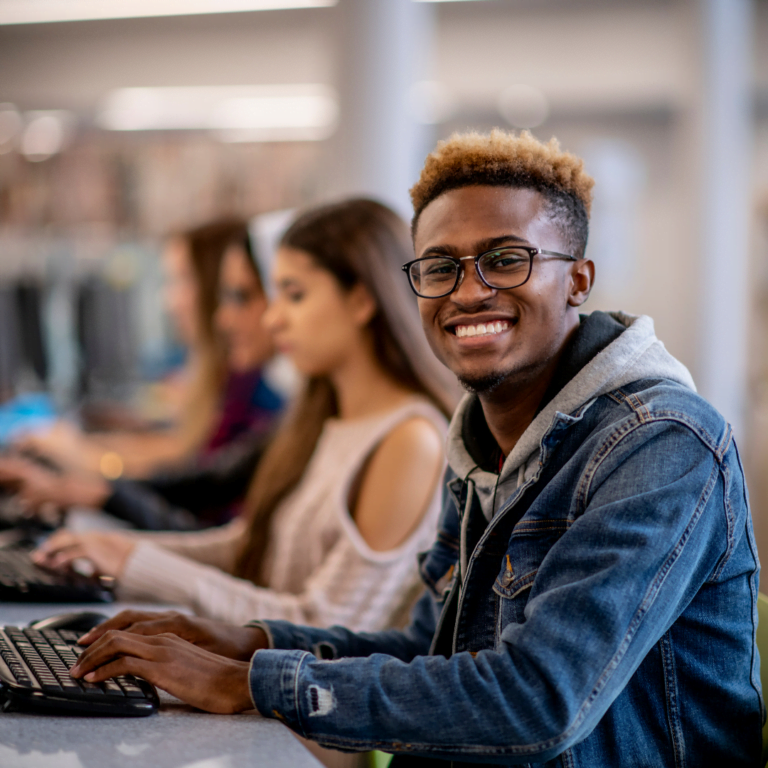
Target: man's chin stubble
x=482, y=385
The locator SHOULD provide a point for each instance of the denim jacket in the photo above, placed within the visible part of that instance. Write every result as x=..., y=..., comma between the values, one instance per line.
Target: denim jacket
x=604, y=616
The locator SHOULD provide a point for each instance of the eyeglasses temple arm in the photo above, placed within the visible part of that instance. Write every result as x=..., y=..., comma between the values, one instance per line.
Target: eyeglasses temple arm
x=566, y=256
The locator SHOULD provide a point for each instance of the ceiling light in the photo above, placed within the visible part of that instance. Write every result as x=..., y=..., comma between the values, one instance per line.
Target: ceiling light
x=302, y=112
x=44, y=134
x=37, y=11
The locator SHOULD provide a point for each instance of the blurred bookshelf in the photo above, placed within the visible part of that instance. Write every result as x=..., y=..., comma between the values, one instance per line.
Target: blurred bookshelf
x=84, y=229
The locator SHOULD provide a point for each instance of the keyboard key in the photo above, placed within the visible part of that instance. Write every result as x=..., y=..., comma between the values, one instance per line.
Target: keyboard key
x=49, y=657
x=111, y=688
x=66, y=654
x=91, y=688
x=71, y=687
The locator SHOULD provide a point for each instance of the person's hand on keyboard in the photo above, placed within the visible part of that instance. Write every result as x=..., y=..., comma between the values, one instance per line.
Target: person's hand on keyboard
x=107, y=552
x=228, y=640
x=38, y=486
x=35, y=486
x=203, y=679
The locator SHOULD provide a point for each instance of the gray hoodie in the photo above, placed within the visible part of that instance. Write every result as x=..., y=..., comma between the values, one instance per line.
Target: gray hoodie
x=636, y=354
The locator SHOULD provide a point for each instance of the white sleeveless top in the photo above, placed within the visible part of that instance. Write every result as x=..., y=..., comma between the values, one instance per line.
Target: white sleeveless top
x=318, y=567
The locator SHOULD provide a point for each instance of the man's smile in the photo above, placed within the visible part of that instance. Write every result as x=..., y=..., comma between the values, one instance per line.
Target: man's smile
x=481, y=329
x=484, y=326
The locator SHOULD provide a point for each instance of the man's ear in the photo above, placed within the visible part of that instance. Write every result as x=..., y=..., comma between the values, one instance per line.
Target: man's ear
x=582, y=280
x=362, y=305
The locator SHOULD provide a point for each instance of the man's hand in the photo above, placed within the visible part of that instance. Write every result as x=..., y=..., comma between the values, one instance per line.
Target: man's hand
x=108, y=552
x=200, y=678
x=234, y=642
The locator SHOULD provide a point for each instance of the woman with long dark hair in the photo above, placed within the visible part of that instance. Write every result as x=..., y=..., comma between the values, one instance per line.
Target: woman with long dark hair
x=347, y=492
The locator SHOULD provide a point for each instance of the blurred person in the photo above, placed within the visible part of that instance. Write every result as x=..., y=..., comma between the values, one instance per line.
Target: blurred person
x=591, y=593
x=207, y=491
x=347, y=492
x=213, y=404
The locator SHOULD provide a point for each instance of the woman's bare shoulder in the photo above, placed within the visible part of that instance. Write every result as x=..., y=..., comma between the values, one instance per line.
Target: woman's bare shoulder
x=398, y=482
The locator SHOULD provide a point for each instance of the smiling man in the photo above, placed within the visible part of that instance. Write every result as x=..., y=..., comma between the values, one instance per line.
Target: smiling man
x=591, y=594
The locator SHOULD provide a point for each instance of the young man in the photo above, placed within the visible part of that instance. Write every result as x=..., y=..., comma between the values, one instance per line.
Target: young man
x=591, y=593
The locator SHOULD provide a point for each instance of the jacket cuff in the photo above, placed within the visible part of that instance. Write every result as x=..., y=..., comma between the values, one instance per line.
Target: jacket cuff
x=283, y=634
x=274, y=683
x=265, y=628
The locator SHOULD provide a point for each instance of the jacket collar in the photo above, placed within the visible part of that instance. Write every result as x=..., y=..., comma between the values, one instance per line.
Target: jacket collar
x=633, y=354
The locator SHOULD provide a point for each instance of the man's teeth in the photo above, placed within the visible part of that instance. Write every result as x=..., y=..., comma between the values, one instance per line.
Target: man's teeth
x=482, y=329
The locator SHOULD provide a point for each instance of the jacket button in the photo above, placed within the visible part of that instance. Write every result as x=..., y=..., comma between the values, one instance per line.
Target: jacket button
x=509, y=574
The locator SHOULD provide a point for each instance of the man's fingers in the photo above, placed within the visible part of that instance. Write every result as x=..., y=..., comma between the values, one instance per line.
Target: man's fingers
x=123, y=621
x=136, y=622
x=116, y=643
x=124, y=665
x=113, y=643
x=199, y=677
x=159, y=626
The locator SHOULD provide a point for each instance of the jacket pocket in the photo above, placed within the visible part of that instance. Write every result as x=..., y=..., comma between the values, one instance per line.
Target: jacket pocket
x=528, y=546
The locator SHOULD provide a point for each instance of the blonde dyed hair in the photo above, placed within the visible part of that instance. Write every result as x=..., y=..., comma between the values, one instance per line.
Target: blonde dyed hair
x=505, y=159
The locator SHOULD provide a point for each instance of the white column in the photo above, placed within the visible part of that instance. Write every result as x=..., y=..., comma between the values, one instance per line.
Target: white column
x=384, y=46
x=726, y=188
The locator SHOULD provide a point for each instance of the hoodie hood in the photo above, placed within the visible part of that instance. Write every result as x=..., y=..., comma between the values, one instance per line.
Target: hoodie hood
x=635, y=354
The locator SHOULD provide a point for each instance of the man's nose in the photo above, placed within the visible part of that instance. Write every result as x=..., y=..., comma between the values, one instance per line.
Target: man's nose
x=471, y=289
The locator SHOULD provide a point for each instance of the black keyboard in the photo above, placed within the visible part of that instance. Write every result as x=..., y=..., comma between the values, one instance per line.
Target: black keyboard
x=34, y=677
x=22, y=580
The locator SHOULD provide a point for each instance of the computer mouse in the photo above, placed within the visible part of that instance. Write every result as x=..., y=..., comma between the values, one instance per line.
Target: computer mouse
x=79, y=621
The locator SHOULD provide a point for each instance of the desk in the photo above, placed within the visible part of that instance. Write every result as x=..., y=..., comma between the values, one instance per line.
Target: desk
x=177, y=737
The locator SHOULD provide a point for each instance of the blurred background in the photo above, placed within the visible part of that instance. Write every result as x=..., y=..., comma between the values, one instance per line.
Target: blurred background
x=124, y=120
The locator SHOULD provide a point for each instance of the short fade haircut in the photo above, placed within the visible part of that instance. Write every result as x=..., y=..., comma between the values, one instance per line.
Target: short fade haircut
x=502, y=159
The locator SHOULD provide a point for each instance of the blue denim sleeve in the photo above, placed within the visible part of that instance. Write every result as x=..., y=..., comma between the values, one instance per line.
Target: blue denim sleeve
x=650, y=533
x=338, y=642
x=436, y=567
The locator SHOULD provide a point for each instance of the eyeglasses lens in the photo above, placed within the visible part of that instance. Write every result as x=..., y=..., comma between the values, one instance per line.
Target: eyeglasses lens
x=505, y=267
x=502, y=268
x=433, y=277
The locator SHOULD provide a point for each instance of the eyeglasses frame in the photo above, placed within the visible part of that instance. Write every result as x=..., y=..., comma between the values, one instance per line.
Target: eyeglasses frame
x=531, y=250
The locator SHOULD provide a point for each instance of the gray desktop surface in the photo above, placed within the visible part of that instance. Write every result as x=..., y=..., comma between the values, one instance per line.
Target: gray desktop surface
x=178, y=736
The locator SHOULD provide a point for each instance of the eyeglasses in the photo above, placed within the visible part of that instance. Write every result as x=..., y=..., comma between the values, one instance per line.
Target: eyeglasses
x=502, y=268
